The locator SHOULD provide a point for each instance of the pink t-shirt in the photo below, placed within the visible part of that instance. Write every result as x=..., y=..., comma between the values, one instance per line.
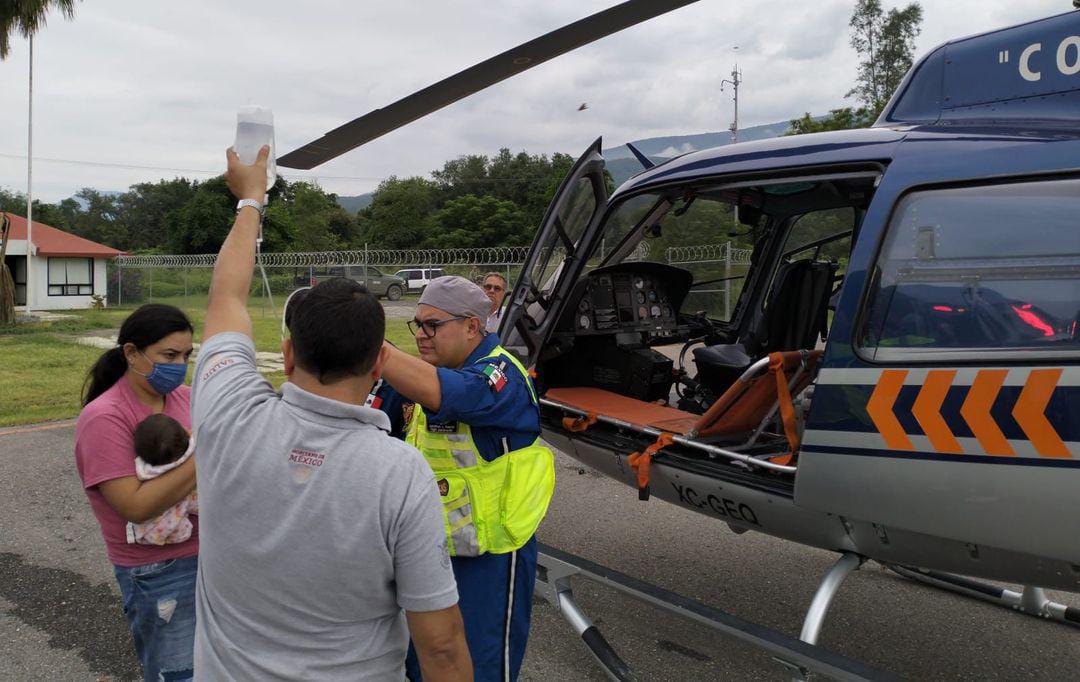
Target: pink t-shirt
x=105, y=449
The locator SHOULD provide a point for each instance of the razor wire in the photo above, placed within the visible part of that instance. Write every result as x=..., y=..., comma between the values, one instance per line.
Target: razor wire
x=707, y=253
x=491, y=255
x=488, y=255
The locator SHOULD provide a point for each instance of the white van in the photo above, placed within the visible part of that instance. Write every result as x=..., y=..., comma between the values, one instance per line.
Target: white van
x=418, y=278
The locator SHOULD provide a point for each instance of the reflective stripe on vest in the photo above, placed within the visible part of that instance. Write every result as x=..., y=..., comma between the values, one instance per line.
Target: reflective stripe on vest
x=487, y=506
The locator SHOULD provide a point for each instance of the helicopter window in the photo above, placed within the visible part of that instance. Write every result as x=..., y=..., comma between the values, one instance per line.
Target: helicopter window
x=696, y=236
x=570, y=224
x=624, y=226
x=822, y=236
x=978, y=272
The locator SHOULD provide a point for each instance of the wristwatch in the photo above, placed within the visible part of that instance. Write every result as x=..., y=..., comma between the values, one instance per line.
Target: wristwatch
x=250, y=202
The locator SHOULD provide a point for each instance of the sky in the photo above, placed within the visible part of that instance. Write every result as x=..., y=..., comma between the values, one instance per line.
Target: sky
x=134, y=92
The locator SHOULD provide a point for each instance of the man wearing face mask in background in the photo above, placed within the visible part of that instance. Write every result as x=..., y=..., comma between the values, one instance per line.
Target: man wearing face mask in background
x=475, y=413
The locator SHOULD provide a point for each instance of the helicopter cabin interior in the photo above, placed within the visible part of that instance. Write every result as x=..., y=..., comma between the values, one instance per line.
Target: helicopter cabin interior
x=712, y=347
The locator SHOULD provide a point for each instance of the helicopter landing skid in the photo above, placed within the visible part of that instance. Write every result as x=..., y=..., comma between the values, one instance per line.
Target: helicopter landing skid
x=1032, y=601
x=555, y=568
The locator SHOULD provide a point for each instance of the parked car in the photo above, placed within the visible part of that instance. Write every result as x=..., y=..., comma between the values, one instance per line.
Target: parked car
x=376, y=281
x=418, y=278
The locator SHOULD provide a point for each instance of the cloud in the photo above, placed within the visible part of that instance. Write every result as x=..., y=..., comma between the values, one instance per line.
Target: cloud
x=152, y=84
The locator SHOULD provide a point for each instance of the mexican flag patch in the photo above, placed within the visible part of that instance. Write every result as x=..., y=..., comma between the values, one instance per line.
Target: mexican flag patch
x=495, y=376
x=374, y=400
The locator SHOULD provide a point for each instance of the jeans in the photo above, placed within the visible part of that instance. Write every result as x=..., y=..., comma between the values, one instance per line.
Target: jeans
x=159, y=602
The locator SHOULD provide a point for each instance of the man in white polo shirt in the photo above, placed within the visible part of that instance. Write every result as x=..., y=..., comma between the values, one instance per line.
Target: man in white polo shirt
x=321, y=536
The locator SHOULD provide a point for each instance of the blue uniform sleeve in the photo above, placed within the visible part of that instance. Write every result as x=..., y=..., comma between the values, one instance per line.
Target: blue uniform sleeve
x=491, y=393
x=394, y=405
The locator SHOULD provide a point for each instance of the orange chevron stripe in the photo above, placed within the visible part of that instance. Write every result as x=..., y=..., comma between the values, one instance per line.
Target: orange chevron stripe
x=976, y=411
x=1030, y=413
x=880, y=409
x=927, y=411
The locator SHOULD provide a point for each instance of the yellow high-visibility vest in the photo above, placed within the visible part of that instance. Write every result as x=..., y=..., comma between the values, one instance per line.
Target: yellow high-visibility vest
x=488, y=507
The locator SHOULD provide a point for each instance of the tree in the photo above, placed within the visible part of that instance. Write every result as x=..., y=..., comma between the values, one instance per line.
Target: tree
x=317, y=221
x=838, y=119
x=886, y=47
x=7, y=284
x=463, y=175
x=203, y=222
x=140, y=212
x=399, y=216
x=28, y=16
x=472, y=221
x=885, y=43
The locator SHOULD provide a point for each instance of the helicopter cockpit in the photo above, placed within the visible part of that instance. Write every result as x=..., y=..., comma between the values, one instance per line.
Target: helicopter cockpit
x=689, y=289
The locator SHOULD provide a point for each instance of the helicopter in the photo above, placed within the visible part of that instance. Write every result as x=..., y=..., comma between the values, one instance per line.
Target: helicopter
x=898, y=379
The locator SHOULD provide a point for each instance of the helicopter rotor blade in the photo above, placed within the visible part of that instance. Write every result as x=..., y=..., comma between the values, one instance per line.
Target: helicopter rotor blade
x=474, y=79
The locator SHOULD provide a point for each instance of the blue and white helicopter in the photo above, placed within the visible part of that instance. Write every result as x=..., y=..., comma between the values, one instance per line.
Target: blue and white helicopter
x=898, y=376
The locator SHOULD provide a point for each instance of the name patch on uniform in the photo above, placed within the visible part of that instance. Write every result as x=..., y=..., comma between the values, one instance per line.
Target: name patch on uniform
x=442, y=427
x=496, y=376
x=306, y=457
x=216, y=364
x=444, y=487
x=303, y=462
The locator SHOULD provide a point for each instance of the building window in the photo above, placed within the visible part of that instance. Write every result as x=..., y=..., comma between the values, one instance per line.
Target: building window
x=978, y=273
x=71, y=276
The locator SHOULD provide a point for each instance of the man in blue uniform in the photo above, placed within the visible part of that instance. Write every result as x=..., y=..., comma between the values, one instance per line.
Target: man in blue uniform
x=476, y=409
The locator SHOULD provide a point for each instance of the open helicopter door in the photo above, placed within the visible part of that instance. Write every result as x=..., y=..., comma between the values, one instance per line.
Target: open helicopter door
x=557, y=255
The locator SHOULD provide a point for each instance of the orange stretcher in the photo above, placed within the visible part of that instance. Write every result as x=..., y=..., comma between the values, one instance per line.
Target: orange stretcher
x=754, y=398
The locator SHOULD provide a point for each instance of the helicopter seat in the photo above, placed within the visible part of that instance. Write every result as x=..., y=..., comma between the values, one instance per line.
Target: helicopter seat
x=795, y=317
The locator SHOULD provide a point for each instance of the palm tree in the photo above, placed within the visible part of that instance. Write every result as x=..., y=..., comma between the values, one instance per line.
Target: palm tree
x=27, y=16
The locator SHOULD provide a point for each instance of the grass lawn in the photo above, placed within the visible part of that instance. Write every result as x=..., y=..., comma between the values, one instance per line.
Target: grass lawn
x=44, y=369
x=42, y=378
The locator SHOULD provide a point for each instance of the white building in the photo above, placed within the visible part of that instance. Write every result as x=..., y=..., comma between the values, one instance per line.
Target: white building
x=67, y=270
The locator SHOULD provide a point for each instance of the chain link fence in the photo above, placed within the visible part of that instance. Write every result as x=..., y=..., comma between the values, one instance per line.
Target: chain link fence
x=719, y=272
x=184, y=280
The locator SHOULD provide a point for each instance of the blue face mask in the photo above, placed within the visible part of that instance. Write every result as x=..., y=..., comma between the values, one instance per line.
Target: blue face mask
x=165, y=377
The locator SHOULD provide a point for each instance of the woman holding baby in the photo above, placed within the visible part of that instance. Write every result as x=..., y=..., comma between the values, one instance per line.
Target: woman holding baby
x=139, y=476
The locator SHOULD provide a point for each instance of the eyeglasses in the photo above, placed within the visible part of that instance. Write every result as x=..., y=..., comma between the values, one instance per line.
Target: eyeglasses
x=431, y=326
x=492, y=287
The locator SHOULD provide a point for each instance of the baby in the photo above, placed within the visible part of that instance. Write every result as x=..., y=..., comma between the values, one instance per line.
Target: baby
x=161, y=444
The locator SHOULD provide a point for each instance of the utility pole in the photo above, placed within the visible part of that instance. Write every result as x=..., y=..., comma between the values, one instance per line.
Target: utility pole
x=735, y=82
x=30, y=186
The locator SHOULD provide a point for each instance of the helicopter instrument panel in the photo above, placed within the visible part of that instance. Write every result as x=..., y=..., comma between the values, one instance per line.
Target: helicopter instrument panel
x=631, y=297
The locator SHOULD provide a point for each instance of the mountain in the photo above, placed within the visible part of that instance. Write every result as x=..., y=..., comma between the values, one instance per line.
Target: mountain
x=622, y=164
x=681, y=144
x=354, y=204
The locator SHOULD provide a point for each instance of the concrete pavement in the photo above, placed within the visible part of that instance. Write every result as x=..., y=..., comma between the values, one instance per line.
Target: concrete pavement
x=60, y=616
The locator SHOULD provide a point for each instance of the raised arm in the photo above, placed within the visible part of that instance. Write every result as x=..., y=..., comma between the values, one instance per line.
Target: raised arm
x=227, y=308
x=413, y=378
